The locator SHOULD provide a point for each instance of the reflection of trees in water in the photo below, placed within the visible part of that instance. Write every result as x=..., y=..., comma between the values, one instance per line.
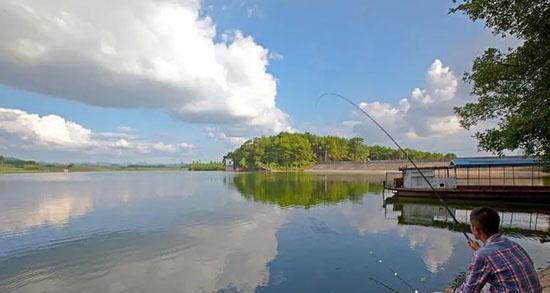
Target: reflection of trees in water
x=302, y=189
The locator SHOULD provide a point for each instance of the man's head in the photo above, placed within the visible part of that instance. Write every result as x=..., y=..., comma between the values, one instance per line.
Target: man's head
x=484, y=223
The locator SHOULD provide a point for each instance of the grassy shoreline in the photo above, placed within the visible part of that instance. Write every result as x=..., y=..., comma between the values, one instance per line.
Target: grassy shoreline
x=12, y=170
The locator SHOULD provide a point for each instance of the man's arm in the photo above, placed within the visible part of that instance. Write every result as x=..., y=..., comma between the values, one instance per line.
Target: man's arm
x=477, y=276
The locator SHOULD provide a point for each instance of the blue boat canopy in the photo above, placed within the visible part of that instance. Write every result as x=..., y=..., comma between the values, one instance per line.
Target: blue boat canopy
x=495, y=162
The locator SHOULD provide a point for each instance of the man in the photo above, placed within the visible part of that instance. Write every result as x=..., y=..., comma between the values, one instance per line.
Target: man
x=500, y=262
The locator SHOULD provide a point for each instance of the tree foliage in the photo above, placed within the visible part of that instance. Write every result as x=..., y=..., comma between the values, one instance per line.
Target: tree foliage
x=385, y=153
x=206, y=166
x=296, y=151
x=512, y=87
x=283, y=151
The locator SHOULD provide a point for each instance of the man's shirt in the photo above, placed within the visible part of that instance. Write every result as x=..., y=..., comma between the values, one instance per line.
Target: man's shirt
x=503, y=264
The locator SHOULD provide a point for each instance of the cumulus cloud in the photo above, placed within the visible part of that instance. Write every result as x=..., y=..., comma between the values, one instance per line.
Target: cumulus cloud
x=19, y=129
x=218, y=135
x=427, y=111
x=47, y=131
x=139, y=53
x=425, y=118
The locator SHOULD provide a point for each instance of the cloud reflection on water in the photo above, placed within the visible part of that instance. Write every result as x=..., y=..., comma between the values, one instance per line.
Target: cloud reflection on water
x=202, y=257
x=437, y=245
x=223, y=242
x=32, y=200
x=52, y=210
x=222, y=255
x=207, y=232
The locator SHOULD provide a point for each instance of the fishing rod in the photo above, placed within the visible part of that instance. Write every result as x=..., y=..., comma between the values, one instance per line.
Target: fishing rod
x=383, y=285
x=401, y=149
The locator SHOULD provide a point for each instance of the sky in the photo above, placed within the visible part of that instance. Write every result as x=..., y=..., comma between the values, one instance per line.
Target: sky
x=164, y=81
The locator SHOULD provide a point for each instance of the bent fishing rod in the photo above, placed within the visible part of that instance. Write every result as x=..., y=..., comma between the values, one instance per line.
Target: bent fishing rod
x=383, y=285
x=400, y=149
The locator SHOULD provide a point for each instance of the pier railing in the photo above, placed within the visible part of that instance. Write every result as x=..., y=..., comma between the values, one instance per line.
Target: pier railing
x=502, y=176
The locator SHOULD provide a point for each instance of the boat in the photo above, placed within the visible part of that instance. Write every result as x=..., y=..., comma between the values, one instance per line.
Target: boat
x=488, y=178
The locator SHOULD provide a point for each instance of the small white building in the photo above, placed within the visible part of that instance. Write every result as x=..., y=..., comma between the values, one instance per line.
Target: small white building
x=228, y=163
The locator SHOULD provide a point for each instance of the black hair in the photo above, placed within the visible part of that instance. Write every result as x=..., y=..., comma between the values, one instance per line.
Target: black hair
x=486, y=219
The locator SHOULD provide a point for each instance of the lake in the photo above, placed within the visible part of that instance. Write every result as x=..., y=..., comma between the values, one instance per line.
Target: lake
x=228, y=232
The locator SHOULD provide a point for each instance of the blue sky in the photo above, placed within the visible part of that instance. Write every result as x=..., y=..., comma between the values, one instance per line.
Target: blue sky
x=376, y=52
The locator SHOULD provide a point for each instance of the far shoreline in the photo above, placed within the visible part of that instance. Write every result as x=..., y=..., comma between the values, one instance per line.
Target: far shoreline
x=90, y=171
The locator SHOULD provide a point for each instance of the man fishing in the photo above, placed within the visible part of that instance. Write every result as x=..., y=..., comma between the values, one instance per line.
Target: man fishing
x=500, y=262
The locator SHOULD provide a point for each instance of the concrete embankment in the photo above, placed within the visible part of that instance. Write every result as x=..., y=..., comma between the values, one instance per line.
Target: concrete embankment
x=371, y=167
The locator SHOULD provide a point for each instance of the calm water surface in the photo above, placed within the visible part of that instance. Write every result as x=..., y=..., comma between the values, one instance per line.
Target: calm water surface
x=221, y=232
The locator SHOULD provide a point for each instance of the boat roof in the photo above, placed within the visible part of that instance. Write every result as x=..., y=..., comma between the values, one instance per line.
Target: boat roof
x=495, y=162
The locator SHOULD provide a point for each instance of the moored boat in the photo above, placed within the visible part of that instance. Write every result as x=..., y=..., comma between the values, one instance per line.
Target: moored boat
x=508, y=178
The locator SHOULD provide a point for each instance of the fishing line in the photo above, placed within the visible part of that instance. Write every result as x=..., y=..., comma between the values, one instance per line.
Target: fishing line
x=383, y=285
x=394, y=272
x=401, y=149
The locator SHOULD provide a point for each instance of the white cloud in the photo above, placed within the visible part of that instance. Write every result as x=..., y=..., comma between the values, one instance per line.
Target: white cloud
x=124, y=128
x=19, y=129
x=121, y=144
x=426, y=119
x=216, y=134
x=274, y=55
x=139, y=53
x=48, y=131
x=170, y=148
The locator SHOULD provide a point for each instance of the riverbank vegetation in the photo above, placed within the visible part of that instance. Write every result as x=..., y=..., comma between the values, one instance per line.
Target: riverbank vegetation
x=206, y=166
x=14, y=165
x=298, y=151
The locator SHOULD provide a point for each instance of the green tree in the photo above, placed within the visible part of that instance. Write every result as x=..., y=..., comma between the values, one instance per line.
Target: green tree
x=512, y=87
x=358, y=151
x=337, y=149
x=297, y=151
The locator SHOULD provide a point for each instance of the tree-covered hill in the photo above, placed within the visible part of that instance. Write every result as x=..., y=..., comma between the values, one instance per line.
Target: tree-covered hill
x=296, y=151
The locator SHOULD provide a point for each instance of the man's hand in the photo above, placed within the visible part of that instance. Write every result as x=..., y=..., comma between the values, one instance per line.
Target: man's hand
x=473, y=245
x=449, y=290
